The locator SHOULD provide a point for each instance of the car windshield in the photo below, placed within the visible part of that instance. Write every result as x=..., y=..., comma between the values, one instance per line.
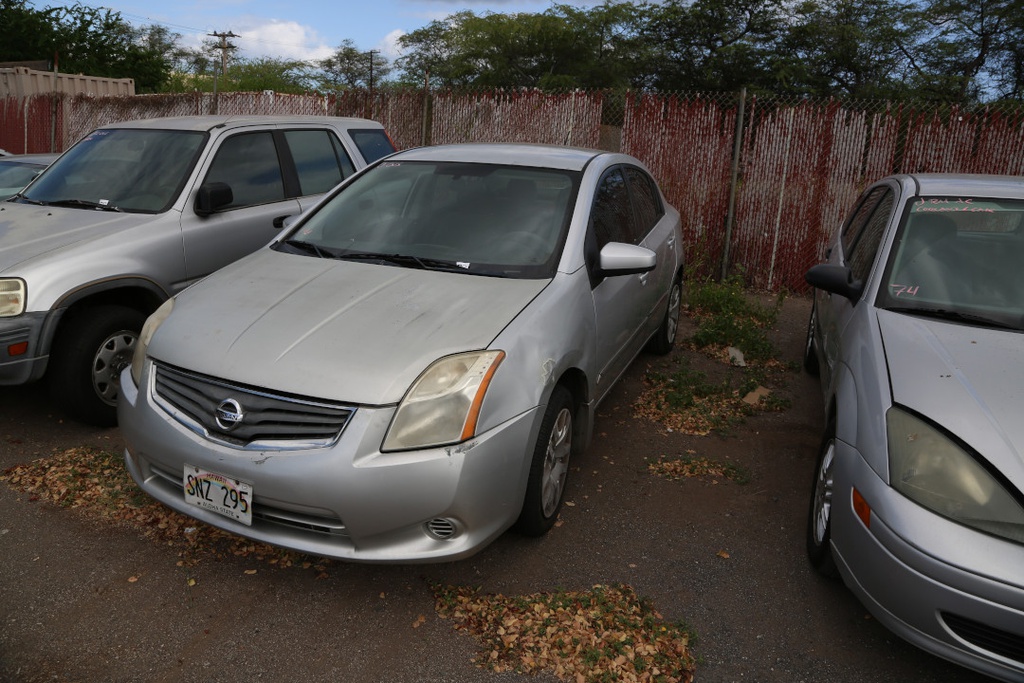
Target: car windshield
x=959, y=259
x=485, y=219
x=132, y=170
x=15, y=175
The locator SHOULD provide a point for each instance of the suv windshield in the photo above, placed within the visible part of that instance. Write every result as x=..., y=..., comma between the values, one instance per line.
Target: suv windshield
x=132, y=170
x=959, y=258
x=506, y=221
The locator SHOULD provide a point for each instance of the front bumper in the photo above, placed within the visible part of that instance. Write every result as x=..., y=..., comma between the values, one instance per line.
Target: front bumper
x=22, y=356
x=346, y=501
x=950, y=590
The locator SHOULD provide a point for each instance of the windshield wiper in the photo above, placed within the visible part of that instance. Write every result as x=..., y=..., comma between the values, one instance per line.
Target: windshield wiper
x=310, y=248
x=87, y=204
x=22, y=198
x=407, y=260
x=955, y=316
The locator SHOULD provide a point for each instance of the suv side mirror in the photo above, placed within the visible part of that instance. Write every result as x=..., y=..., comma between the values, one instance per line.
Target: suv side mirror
x=211, y=197
x=835, y=280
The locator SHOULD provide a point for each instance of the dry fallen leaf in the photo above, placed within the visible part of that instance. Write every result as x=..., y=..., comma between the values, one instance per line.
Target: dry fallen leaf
x=420, y=620
x=723, y=554
x=132, y=579
x=250, y=571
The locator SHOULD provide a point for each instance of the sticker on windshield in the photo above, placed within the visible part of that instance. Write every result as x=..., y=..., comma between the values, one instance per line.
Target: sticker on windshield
x=950, y=205
x=904, y=290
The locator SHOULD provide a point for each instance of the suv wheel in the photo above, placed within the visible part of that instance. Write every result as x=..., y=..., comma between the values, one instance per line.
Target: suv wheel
x=93, y=347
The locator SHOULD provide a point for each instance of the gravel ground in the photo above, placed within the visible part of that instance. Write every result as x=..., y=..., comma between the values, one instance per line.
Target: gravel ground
x=725, y=558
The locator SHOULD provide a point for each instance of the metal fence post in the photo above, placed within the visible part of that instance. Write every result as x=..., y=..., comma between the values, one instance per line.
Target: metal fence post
x=734, y=180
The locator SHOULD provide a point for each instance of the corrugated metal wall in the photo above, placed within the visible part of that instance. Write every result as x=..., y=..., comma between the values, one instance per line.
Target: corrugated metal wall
x=801, y=161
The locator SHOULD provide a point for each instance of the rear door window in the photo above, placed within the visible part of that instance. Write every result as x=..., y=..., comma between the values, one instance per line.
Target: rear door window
x=320, y=160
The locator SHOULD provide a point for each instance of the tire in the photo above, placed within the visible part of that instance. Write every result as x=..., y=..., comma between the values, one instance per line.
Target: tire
x=545, y=489
x=664, y=340
x=810, y=352
x=92, y=348
x=819, y=518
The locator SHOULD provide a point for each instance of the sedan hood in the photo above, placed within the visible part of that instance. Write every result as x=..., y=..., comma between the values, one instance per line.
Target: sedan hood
x=968, y=379
x=354, y=332
x=29, y=231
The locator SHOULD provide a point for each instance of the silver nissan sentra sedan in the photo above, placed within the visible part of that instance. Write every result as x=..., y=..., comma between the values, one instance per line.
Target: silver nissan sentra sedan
x=917, y=330
x=404, y=374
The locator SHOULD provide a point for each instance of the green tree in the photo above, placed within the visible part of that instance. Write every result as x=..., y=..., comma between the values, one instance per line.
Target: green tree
x=350, y=67
x=847, y=48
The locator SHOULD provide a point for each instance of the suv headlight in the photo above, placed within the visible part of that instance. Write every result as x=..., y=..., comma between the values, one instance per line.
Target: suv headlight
x=12, y=297
x=934, y=471
x=444, y=402
x=153, y=322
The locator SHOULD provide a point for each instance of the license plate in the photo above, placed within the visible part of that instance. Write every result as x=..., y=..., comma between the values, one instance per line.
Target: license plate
x=217, y=493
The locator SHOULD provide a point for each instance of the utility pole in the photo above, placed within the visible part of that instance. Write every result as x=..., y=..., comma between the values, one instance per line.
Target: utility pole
x=224, y=47
x=371, y=53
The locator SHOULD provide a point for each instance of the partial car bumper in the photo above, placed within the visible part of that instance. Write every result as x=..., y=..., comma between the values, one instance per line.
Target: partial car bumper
x=955, y=592
x=21, y=360
x=346, y=501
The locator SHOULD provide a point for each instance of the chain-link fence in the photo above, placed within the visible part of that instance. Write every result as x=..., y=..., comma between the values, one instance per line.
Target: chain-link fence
x=760, y=182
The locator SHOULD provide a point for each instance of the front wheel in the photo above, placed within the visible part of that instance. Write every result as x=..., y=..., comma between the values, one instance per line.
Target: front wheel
x=549, y=470
x=93, y=347
x=665, y=338
x=819, y=520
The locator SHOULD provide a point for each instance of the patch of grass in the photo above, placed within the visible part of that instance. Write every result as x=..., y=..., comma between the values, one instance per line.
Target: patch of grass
x=604, y=634
x=727, y=316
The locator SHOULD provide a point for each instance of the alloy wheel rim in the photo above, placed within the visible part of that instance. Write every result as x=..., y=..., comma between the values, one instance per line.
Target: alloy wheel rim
x=113, y=356
x=823, y=490
x=556, y=462
x=674, y=300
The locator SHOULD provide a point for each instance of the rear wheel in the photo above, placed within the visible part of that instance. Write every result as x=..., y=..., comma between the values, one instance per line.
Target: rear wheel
x=665, y=338
x=819, y=520
x=94, y=345
x=810, y=354
x=549, y=470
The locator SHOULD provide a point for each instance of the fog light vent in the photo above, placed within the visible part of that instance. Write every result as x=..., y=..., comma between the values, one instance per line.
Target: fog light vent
x=442, y=529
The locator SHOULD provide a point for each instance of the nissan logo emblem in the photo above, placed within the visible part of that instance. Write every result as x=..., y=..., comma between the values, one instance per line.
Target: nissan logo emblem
x=228, y=414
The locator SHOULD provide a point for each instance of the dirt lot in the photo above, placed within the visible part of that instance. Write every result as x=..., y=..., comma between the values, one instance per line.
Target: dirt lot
x=726, y=558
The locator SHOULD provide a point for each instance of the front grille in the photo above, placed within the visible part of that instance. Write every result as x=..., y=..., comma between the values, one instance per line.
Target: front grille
x=997, y=641
x=261, y=416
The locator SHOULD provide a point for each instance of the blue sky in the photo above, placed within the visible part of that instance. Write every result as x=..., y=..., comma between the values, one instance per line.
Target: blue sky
x=304, y=29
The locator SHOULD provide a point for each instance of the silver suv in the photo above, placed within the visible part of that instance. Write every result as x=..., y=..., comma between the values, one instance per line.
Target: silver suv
x=134, y=213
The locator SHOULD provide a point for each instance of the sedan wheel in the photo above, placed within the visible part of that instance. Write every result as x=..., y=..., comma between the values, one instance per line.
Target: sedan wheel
x=810, y=355
x=819, y=522
x=550, y=468
x=665, y=338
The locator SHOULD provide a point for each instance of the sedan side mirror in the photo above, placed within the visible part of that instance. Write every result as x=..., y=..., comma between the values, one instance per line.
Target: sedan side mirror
x=618, y=258
x=213, y=196
x=835, y=280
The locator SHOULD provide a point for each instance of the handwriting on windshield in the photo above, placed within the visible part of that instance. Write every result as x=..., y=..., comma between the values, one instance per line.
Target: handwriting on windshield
x=904, y=290
x=946, y=205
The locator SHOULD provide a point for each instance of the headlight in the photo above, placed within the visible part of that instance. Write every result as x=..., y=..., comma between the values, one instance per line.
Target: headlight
x=443, y=404
x=12, y=297
x=148, y=330
x=932, y=470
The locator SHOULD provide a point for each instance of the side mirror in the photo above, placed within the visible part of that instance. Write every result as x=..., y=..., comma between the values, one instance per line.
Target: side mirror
x=835, y=280
x=213, y=196
x=618, y=258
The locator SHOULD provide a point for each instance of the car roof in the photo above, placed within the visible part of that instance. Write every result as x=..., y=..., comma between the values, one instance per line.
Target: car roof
x=512, y=154
x=204, y=123
x=966, y=184
x=33, y=159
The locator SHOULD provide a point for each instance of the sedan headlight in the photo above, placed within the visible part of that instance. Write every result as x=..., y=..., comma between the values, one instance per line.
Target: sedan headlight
x=148, y=330
x=12, y=297
x=934, y=471
x=444, y=402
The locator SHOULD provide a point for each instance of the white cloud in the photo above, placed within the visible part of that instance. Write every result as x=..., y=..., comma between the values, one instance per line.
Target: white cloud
x=389, y=45
x=281, y=39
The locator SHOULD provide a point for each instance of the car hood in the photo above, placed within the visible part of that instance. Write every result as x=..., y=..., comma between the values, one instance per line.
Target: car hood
x=968, y=379
x=353, y=332
x=29, y=231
